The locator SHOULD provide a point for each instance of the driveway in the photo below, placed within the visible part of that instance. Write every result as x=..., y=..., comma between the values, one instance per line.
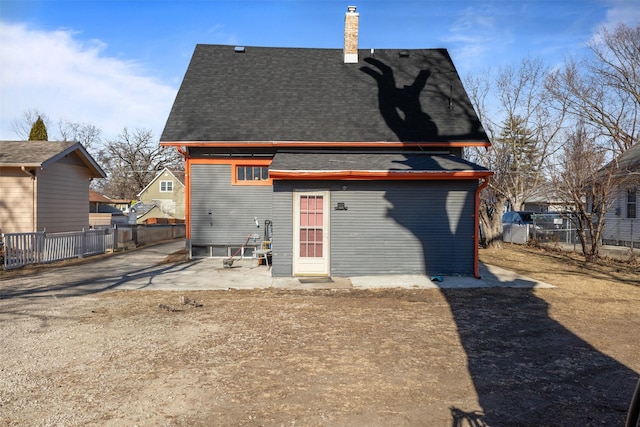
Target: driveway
x=147, y=268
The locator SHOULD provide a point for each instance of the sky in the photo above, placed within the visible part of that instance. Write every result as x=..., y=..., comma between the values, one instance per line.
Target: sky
x=119, y=64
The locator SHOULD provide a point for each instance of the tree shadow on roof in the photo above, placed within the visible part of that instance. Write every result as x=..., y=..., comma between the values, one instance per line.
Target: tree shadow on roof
x=400, y=107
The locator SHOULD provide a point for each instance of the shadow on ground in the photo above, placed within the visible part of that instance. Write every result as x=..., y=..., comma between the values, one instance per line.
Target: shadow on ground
x=529, y=370
x=102, y=276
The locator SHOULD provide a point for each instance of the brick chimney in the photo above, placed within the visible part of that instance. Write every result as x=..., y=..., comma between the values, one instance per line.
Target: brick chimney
x=351, y=36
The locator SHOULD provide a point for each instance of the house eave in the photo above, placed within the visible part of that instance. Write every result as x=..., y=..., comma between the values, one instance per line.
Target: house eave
x=325, y=144
x=20, y=165
x=372, y=175
x=92, y=165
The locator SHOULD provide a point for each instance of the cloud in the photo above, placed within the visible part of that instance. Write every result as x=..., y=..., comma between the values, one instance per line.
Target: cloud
x=71, y=79
x=473, y=36
x=622, y=11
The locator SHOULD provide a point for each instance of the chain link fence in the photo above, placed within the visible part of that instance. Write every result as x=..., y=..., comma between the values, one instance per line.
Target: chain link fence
x=544, y=228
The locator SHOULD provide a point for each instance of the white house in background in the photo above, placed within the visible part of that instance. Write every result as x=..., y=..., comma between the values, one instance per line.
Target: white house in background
x=622, y=221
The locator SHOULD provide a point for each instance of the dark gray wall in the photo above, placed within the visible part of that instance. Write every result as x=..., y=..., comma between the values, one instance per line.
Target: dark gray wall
x=233, y=207
x=393, y=227
x=282, y=244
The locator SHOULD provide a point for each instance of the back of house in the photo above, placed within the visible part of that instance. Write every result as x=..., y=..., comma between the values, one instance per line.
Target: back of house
x=347, y=161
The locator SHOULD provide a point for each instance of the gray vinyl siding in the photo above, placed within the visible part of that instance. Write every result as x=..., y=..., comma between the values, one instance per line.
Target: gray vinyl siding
x=63, y=197
x=282, y=245
x=392, y=227
x=233, y=207
x=619, y=229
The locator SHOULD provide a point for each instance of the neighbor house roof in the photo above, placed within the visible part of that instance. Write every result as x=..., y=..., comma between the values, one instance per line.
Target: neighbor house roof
x=44, y=153
x=327, y=165
x=272, y=96
x=95, y=197
x=630, y=159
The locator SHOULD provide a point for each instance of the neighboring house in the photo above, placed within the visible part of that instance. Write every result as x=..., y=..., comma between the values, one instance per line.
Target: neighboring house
x=546, y=199
x=354, y=156
x=98, y=202
x=102, y=211
x=166, y=193
x=44, y=185
x=145, y=213
x=122, y=205
x=622, y=221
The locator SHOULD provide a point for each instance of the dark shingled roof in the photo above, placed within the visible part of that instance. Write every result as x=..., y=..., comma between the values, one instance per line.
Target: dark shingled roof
x=381, y=162
x=295, y=94
x=43, y=153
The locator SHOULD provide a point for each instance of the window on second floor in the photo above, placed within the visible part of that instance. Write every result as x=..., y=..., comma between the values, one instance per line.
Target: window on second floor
x=166, y=186
x=251, y=175
x=632, y=203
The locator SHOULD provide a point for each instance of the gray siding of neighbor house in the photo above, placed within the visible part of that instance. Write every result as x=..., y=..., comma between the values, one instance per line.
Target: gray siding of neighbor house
x=393, y=227
x=63, y=196
x=233, y=207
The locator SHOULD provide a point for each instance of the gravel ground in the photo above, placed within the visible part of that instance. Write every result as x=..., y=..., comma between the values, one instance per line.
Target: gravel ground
x=566, y=356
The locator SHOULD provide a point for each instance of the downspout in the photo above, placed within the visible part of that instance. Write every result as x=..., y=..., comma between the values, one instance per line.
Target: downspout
x=476, y=235
x=187, y=198
x=33, y=197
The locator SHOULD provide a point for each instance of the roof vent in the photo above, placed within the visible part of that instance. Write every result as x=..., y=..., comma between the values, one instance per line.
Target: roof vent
x=239, y=49
x=403, y=54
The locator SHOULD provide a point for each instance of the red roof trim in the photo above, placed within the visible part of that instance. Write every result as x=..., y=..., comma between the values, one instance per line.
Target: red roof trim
x=333, y=144
x=376, y=175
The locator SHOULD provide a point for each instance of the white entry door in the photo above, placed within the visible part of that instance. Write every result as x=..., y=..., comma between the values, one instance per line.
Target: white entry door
x=311, y=233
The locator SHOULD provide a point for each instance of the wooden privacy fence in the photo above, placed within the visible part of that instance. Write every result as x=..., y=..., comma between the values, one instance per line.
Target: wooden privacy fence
x=33, y=248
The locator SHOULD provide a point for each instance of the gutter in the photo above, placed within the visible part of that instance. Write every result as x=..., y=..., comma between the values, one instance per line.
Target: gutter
x=325, y=144
x=372, y=175
x=23, y=169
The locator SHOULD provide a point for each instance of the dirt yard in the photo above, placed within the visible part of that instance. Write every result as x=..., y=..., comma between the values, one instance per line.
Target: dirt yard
x=567, y=356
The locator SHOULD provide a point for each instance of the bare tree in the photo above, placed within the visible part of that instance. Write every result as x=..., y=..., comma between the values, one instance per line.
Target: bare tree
x=132, y=161
x=521, y=141
x=603, y=89
x=85, y=133
x=601, y=92
x=586, y=182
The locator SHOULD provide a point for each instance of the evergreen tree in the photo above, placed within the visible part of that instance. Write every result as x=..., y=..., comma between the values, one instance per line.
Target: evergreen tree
x=38, y=131
x=522, y=156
